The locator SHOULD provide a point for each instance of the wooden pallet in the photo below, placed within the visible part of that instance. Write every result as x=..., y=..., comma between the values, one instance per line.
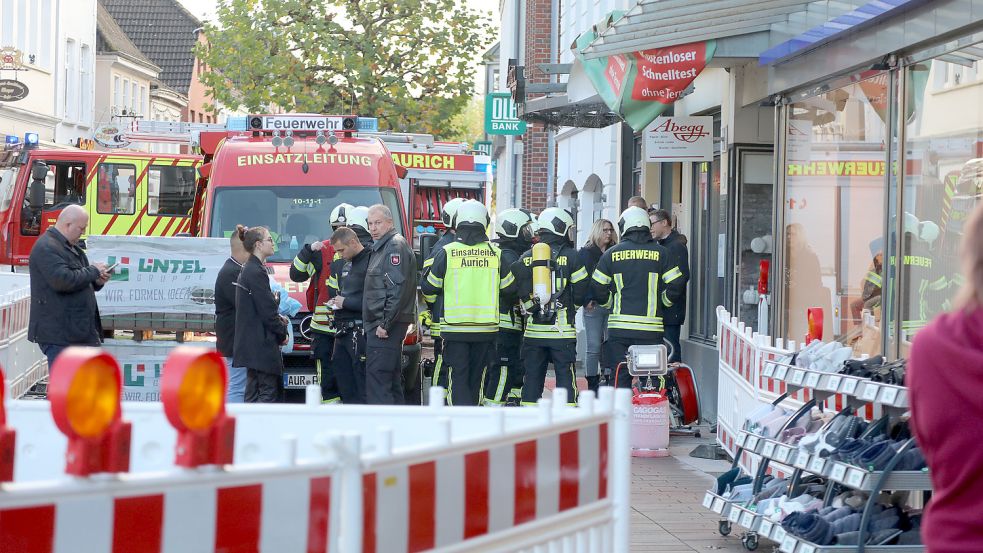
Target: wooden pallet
x=150, y=325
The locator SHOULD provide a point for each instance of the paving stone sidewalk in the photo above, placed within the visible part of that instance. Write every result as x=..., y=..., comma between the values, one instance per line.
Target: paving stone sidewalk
x=667, y=493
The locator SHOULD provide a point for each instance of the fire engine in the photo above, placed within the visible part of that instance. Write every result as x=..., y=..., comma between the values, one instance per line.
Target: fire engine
x=125, y=193
x=437, y=172
x=287, y=172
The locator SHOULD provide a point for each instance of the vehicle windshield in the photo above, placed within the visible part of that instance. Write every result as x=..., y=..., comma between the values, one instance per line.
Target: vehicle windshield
x=295, y=215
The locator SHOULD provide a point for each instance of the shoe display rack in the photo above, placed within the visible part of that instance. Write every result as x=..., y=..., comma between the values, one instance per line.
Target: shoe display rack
x=837, y=475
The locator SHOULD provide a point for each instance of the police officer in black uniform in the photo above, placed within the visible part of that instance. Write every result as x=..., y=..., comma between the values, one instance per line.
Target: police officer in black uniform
x=636, y=280
x=348, y=360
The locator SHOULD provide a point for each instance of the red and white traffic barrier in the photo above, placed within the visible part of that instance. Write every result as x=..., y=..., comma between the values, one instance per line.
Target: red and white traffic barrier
x=23, y=361
x=288, y=478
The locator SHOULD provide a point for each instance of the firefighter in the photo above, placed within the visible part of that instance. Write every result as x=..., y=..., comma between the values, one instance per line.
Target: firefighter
x=639, y=282
x=504, y=381
x=433, y=307
x=314, y=262
x=923, y=276
x=551, y=283
x=348, y=359
x=471, y=277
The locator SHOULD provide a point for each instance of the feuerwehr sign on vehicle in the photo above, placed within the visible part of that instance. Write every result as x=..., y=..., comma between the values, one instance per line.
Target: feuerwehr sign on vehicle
x=671, y=139
x=155, y=274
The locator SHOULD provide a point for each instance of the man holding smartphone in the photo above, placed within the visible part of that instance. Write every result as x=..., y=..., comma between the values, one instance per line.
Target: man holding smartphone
x=63, y=288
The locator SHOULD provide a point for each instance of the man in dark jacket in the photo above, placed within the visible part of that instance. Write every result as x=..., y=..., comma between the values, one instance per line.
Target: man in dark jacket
x=348, y=359
x=675, y=245
x=63, y=288
x=225, y=317
x=388, y=307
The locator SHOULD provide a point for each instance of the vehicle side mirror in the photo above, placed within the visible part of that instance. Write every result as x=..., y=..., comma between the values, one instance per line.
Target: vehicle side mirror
x=427, y=242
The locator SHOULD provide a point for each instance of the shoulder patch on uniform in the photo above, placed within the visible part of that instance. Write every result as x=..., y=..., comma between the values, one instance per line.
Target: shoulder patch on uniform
x=394, y=259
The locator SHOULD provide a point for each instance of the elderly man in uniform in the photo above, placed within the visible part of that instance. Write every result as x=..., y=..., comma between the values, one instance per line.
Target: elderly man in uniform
x=388, y=307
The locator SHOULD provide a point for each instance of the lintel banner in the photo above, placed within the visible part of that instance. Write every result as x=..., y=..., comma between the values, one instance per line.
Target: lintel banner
x=157, y=274
x=639, y=86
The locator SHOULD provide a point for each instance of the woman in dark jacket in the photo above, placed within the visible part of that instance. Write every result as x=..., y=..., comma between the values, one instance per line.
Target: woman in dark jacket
x=259, y=328
x=602, y=236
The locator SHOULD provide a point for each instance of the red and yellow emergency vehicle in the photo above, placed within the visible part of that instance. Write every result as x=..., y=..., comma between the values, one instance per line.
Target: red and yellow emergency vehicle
x=125, y=193
x=287, y=172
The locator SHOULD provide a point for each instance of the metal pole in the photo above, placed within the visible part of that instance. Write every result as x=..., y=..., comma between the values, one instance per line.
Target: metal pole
x=620, y=469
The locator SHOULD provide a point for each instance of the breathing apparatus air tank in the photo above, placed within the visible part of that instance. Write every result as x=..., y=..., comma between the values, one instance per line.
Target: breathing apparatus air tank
x=542, y=278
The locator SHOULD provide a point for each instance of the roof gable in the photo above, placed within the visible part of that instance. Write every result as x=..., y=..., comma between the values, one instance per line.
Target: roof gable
x=110, y=38
x=164, y=31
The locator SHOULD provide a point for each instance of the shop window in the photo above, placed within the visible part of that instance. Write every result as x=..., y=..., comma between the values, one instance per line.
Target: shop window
x=170, y=190
x=116, y=188
x=835, y=177
x=709, y=252
x=943, y=184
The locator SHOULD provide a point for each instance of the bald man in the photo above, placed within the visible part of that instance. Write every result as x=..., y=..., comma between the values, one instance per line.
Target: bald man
x=638, y=201
x=63, y=288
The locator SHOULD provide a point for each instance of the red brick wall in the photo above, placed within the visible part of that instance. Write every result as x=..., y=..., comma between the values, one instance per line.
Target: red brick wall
x=534, y=154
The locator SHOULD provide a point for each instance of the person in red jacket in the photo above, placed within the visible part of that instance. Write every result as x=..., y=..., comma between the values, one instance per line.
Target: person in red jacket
x=945, y=382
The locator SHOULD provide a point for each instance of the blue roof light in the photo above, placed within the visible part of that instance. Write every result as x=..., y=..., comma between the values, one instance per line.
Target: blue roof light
x=31, y=139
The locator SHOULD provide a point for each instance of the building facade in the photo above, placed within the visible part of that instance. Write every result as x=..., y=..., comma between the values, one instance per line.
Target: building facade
x=862, y=146
x=57, y=41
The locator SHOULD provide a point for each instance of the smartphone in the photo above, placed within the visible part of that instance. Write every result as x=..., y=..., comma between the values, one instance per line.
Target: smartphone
x=112, y=267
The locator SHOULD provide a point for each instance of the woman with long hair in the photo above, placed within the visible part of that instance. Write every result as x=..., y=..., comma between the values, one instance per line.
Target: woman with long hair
x=259, y=328
x=602, y=236
x=945, y=381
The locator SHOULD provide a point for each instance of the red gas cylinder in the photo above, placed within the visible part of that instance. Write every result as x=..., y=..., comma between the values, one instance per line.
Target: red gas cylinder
x=649, y=424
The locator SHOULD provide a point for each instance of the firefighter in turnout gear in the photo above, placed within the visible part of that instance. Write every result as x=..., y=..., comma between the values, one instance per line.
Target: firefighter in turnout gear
x=551, y=283
x=637, y=281
x=471, y=277
x=447, y=214
x=504, y=381
x=313, y=262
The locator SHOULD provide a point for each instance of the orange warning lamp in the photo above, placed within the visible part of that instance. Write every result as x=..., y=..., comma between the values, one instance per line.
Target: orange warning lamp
x=814, y=317
x=193, y=392
x=7, y=436
x=84, y=390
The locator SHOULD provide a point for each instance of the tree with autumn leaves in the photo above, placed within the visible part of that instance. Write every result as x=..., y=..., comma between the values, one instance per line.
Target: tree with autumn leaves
x=407, y=62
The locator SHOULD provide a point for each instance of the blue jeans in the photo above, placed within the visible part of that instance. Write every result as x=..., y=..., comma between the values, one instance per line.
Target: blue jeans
x=595, y=329
x=236, y=392
x=51, y=351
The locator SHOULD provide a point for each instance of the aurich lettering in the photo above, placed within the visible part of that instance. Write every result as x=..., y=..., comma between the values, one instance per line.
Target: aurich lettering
x=475, y=262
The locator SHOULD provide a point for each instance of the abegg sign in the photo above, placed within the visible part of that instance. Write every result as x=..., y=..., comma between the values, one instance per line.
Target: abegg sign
x=671, y=139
